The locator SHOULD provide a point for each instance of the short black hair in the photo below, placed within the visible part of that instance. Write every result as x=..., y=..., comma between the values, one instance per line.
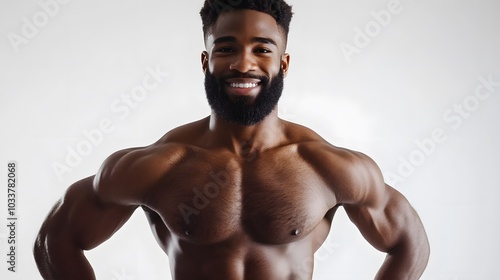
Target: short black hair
x=278, y=9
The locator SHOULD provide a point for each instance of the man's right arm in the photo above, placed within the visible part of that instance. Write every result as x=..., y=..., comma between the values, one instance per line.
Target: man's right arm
x=96, y=207
x=79, y=221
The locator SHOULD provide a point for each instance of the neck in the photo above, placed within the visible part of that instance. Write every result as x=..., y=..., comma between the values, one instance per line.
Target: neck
x=245, y=139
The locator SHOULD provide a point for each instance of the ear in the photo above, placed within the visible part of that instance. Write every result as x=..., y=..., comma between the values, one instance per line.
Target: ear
x=204, y=61
x=285, y=63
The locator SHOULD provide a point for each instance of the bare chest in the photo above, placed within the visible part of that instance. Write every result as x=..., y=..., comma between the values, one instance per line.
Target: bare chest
x=273, y=198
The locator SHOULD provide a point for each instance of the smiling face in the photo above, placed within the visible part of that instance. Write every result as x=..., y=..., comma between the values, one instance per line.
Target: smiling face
x=244, y=65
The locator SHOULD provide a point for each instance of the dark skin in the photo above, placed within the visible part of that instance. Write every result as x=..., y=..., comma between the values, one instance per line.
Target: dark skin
x=235, y=202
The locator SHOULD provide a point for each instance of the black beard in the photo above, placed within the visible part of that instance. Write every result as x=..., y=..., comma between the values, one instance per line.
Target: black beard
x=243, y=110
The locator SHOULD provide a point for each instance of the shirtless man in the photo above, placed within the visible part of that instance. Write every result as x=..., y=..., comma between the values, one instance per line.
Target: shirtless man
x=241, y=194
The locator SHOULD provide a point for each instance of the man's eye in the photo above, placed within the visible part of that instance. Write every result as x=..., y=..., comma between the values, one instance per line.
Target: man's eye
x=262, y=51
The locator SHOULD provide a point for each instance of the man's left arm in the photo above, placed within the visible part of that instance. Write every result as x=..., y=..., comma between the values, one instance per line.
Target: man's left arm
x=387, y=221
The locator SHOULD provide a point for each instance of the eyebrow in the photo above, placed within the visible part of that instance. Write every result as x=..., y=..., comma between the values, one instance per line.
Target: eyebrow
x=263, y=40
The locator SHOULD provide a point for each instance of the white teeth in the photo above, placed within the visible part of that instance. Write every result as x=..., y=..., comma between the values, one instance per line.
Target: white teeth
x=243, y=85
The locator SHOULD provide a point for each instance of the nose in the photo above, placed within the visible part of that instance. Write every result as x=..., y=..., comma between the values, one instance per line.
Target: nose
x=243, y=63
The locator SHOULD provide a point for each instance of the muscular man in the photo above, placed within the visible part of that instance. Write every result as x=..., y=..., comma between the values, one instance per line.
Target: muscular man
x=240, y=194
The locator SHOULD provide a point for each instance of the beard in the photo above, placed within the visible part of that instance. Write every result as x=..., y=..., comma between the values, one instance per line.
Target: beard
x=243, y=110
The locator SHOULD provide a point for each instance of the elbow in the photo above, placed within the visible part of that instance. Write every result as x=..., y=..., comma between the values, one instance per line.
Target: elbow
x=40, y=253
x=420, y=244
x=415, y=248
x=40, y=246
x=425, y=249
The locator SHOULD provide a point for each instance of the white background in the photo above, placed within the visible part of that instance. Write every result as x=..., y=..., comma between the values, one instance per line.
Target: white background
x=394, y=92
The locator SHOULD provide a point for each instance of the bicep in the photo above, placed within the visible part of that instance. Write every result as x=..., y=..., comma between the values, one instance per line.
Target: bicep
x=383, y=218
x=381, y=213
x=82, y=219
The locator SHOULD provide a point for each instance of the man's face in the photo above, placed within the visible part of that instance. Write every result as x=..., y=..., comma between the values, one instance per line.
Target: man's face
x=244, y=66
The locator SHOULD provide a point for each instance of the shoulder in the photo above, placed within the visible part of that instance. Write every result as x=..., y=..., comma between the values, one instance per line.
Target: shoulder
x=351, y=175
x=128, y=175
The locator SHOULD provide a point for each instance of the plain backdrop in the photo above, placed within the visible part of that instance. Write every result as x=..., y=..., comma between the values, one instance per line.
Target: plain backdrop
x=417, y=91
